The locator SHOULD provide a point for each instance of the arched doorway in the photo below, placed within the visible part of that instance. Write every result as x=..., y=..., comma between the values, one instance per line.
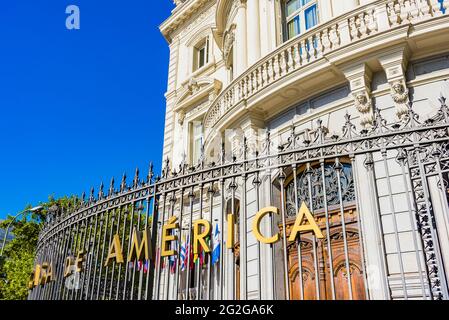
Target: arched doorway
x=317, y=266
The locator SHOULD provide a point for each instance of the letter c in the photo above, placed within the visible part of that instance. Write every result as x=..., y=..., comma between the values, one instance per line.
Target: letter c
x=256, y=225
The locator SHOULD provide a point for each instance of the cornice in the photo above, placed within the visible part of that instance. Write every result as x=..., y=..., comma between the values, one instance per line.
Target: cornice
x=179, y=16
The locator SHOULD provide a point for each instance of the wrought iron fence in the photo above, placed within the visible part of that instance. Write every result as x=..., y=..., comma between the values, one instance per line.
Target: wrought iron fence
x=321, y=171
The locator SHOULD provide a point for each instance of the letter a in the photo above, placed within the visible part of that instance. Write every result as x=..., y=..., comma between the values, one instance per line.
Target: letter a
x=73, y=20
x=300, y=227
x=115, y=251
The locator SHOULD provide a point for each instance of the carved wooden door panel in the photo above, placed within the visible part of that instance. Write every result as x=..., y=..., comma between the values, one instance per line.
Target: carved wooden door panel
x=339, y=263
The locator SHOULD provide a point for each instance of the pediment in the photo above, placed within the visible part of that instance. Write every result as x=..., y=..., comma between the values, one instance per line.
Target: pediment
x=196, y=89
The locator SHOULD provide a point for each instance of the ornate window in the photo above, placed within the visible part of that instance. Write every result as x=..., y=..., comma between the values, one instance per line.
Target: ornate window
x=316, y=181
x=300, y=16
x=196, y=141
x=201, y=54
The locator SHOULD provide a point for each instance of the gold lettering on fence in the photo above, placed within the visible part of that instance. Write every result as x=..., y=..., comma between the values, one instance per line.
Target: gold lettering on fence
x=79, y=261
x=230, y=241
x=304, y=212
x=167, y=238
x=115, y=251
x=67, y=266
x=41, y=275
x=198, y=238
x=140, y=246
x=256, y=225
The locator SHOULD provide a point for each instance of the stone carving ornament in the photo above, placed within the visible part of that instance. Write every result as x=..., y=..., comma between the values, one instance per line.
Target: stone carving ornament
x=228, y=44
x=362, y=103
x=399, y=93
x=364, y=106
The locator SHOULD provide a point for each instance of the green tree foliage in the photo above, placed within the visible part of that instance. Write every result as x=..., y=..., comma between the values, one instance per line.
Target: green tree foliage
x=18, y=256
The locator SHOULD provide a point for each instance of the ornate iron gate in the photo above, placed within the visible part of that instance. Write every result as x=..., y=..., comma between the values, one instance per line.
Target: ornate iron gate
x=339, y=178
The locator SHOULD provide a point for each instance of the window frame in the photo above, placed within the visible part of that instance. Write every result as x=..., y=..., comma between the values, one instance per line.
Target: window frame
x=195, y=137
x=300, y=12
x=200, y=46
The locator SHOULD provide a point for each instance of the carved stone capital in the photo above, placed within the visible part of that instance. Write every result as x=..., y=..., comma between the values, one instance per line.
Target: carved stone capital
x=394, y=65
x=359, y=77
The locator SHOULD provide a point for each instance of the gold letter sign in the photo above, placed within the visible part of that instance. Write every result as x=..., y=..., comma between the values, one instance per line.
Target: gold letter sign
x=115, y=251
x=140, y=247
x=166, y=238
x=256, y=225
x=300, y=227
x=198, y=238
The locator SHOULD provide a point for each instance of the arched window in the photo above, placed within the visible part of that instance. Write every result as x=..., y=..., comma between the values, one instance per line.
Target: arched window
x=317, y=190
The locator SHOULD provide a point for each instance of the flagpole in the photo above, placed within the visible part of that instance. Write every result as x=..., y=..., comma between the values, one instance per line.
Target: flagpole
x=191, y=196
x=167, y=284
x=198, y=259
x=177, y=275
x=221, y=280
x=160, y=262
x=211, y=242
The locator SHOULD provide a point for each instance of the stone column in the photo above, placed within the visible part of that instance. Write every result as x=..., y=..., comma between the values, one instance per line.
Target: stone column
x=240, y=50
x=359, y=77
x=395, y=64
x=253, y=20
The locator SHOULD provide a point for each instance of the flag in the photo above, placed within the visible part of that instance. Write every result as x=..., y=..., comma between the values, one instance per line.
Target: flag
x=139, y=265
x=216, y=249
x=173, y=259
x=145, y=266
x=183, y=254
x=172, y=263
x=192, y=257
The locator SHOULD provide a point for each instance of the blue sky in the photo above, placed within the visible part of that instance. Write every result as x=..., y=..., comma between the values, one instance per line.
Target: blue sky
x=78, y=106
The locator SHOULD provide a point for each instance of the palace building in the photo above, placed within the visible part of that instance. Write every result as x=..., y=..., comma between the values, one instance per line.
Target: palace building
x=306, y=157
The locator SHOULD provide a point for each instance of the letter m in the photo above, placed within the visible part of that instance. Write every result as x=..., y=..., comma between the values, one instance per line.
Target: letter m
x=140, y=247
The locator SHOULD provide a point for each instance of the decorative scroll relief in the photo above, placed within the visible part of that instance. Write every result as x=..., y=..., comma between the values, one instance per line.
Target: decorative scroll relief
x=228, y=44
x=316, y=180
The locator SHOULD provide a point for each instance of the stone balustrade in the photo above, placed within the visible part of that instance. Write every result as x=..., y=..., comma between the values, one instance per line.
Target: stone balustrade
x=365, y=21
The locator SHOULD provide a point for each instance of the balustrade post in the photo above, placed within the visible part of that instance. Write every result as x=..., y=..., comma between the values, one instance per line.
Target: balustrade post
x=343, y=29
x=381, y=16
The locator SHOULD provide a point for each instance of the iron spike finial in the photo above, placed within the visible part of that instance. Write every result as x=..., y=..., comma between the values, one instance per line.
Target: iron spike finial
x=150, y=173
x=123, y=184
x=111, y=187
x=101, y=191
x=223, y=151
x=136, y=178
x=166, y=169
x=92, y=195
x=245, y=147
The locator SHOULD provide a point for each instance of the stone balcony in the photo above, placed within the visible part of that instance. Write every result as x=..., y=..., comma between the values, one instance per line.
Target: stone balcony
x=313, y=61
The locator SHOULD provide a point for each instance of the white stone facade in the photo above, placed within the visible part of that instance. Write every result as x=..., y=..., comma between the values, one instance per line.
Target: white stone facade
x=234, y=72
